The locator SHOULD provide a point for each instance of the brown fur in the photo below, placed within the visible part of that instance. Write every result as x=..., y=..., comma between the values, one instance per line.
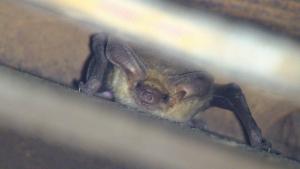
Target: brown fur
x=157, y=77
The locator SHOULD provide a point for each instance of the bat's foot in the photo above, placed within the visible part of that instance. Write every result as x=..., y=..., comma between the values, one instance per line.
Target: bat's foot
x=266, y=145
x=90, y=87
x=257, y=141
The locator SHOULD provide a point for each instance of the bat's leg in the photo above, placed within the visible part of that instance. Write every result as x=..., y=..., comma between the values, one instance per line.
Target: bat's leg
x=97, y=66
x=231, y=97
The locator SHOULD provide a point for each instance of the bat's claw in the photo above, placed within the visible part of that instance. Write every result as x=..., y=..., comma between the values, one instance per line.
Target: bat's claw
x=264, y=145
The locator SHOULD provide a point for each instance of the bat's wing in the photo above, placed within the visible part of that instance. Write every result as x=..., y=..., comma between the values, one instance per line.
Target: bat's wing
x=231, y=97
x=97, y=65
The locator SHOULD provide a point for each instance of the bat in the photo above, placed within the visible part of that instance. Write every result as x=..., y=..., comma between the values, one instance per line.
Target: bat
x=169, y=91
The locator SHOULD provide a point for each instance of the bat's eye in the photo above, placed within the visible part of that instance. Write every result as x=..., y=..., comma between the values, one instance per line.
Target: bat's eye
x=147, y=95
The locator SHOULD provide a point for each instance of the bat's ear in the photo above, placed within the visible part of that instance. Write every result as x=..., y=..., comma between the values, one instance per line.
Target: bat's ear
x=124, y=57
x=192, y=84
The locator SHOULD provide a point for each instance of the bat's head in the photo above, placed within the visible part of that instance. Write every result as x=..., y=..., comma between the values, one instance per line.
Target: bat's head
x=170, y=96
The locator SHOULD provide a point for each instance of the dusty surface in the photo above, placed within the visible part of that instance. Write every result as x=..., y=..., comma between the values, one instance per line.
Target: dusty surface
x=55, y=48
x=276, y=15
x=23, y=152
x=42, y=44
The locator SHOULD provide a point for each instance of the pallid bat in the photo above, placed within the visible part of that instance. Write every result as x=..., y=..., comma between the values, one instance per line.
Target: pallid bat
x=115, y=71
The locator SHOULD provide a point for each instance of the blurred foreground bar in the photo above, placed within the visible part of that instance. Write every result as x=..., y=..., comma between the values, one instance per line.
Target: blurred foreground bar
x=34, y=106
x=248, y=53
